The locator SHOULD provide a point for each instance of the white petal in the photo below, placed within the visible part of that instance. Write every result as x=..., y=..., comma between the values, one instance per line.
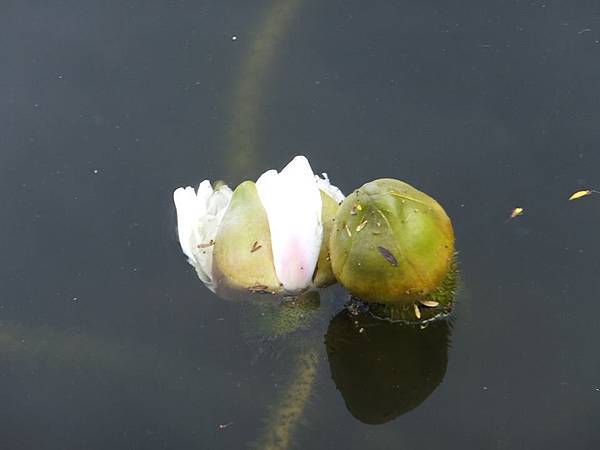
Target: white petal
x=198, y=218
x=293, y=206
x=333, y=191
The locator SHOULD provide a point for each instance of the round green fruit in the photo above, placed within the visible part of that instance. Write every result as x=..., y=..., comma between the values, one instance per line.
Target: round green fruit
x=391, y=243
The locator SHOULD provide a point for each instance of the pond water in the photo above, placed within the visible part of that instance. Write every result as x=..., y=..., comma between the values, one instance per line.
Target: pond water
x=109, y=340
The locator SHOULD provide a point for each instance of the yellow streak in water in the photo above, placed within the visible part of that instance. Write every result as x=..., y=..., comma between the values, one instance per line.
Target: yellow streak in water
x=253, y=76
x=285, y=416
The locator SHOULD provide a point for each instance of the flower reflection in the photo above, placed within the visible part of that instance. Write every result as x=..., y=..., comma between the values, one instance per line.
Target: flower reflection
x=385, y=369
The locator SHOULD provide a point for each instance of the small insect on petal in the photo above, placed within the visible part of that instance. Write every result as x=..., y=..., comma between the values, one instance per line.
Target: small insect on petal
x=580, y=194
x=429, y=303
x=516, y=212
x=256, y=246
x=210, y=244
x=361, y=226
x=417, y=311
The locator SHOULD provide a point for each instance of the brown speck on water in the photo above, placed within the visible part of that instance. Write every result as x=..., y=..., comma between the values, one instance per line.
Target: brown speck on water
x=256, y=246
x=389, y=256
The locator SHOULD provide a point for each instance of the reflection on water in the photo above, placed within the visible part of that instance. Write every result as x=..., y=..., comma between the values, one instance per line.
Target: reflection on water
x=254, y=72
x=67, y=366
x=289, y=323
x=275, y=316
x=385, y=369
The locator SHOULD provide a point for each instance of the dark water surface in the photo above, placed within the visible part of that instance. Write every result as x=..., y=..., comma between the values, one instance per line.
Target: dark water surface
x=108, y=339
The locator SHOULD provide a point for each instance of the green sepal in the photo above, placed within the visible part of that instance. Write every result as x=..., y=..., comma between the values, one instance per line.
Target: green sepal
x=243, y=256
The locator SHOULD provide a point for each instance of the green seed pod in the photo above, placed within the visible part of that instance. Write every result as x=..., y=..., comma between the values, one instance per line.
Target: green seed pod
x=391, y=243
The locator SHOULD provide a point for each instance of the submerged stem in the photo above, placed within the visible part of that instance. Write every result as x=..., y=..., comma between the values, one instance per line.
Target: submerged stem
x=285, y=416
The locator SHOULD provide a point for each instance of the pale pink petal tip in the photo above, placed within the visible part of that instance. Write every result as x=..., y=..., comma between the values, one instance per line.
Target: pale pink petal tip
x=292, y=203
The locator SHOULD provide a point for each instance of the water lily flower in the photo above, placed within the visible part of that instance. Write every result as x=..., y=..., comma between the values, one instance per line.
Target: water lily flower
x=393, y=244
x=271, y=235
x=199, y=214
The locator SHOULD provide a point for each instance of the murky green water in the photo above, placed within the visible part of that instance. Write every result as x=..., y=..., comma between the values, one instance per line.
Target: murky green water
x=108, y=339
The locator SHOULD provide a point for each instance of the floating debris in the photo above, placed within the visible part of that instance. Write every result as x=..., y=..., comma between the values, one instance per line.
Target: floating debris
x=258, y=288
x=225, y=425
x=429, y=303
x=518, y=211
x=355, y=207
x=348, y=231
x=417, y=311
x=580, y=194
x=389, y=256
x=361, y=226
